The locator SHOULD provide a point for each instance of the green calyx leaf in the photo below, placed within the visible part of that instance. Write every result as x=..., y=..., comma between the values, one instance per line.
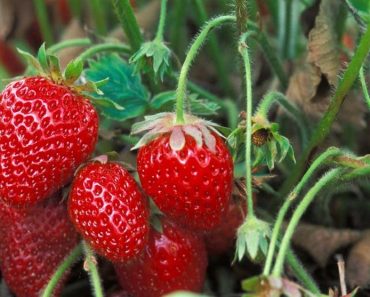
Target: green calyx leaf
x=73, y=71
x=252, y=239
x=159, y=54
x=43, y=58
x=31, y=61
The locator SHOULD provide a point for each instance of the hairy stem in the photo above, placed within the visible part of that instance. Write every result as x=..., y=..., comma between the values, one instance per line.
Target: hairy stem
x=297, y=215
x=324, y=126
x=243, y=49
x=104, y=47
x=69, y=43
x=301, y=273
x=59, y=273
x=93, y=271
x=162, y=21
x=193, y=51
x=329, y=153
x=43, y=20
x=364, y=87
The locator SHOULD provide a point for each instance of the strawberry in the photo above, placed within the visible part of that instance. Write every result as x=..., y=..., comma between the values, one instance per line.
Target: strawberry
x=46, y=131
x=108, y=209
x=119, y=294
x=33, y=245
x=222, y=239
x=186, y=169
x=173, y=260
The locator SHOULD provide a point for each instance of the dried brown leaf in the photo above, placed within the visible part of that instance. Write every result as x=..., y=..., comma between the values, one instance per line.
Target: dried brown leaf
x=358, y=264
x=321, y=242
x=312, y=82
x=323, y=45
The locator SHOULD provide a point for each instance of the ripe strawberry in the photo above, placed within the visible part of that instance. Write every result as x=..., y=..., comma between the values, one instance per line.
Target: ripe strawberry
x=187, y=170
x=119, y=294
x=107, y=208
x=33, y=245
x=173, y=260
x=46, y=132
x=222, y=239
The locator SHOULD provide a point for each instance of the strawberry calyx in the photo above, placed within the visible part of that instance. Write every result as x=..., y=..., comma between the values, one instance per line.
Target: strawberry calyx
x=47, y=65
x=165, y=123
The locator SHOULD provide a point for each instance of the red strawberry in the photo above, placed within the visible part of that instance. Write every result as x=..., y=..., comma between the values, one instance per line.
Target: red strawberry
x=222, y=239
x=109, y=210
x=46, y=132
x=33, y=246
x=188, y=172
x=173, y=260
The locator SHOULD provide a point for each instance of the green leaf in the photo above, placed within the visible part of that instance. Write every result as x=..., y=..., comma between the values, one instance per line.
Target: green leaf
x=253, y=240
x=158, y=52
x=42, y=57
x=31, y=60
x=162, y=99
x=73, y=70
x=123, y=87
x=166, y=100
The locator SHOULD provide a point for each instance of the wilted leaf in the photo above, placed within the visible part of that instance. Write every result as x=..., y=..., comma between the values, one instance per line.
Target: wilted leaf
x=358, y=264
x=312, y=82
x=321, y=242
x=123, y=87
x=323, y=41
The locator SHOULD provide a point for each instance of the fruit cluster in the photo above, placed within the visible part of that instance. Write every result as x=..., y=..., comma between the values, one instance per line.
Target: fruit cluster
x=48, y=131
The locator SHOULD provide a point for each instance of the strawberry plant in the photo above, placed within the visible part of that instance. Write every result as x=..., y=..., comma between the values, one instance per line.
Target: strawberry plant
x=162, y=168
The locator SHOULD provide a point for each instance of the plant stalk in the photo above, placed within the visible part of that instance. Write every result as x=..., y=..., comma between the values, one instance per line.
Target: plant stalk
x=297, y=215
x=329, y=153
x=104, y=47
x=162, y=21
x=193, y=51
x=243, y=49
x=59, y=273
x=93, y=271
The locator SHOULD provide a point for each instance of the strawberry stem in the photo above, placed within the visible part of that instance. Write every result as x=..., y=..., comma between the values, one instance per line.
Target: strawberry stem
x=329, y=153
x=59, y=273
x=301, y=273
x=77, y=42
x=364, y=87
x=93, y=271
x=297, y=215
x=162, y=21
x=104, y=47
x=193, y=51
x=243, y=49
